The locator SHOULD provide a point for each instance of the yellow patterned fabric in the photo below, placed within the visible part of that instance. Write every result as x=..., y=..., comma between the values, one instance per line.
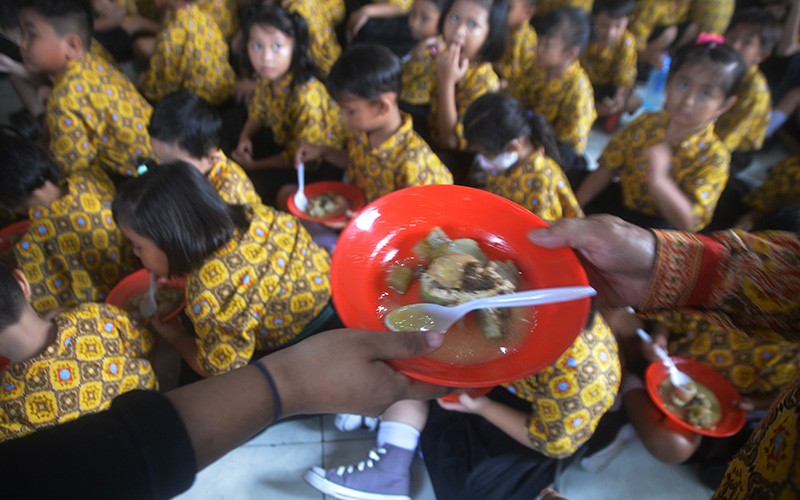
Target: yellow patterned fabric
x=146, y=8
x=259, y=291
x=538, y=184
x=780, y=188
x=98, y=353
x=99, y=51
x=519, y=55
x=650, y=14
x=545, y=6
x=571, y=395
x=712, y=16
x=296, y=114
x=744, y=126
x=416, y=79
x=699, y=166
x=404, y=5
x=403, y=160
x=335, y=10
x=232, y=183
x=73, y=251
x=224, y=13
x=566, y=101
x=480, y=79
x=613, y=64
x=324, y=46
x=96, y=116
x=190, y=54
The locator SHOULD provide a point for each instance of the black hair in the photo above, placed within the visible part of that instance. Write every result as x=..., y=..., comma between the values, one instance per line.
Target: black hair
x=65, y=16
x=180, y=211
x=12, y=298
x=613, y=8
x=292, y=25
x=441, y=4
x=717, y=53
x=569, y=23
x=495, y=119
x=185, y=119
x=365, y=70
x=494, y=46
x=764, y=22
x=26, y=166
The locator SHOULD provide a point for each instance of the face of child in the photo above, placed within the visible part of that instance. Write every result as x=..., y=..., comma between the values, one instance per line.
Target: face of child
x=168, y=152
x=695, y=97
x=152, y=257
x=607, y=29
x=747, y=43
x=551, y=51
x=423, y=19
x=270, y=52
x=42, y=49
x=359, y=114
x=519, y=13
x=467, y=25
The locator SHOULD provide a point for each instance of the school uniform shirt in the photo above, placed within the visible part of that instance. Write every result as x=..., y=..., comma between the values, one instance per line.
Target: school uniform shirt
x=324, y=47
x=712, y=16
x=545, y=6
x=416, y=78
x=780, y=188
x=232, y=183
x=566, y=101
x=96, y=116
x=744, y=126
x=73, y=251
x=571, y=395
x=145, y=8
x=259, y=291
x=519, y=55
x=335, y=10
x=224, y=13
x=651, y=14
x=98, y=353
x=699, y=166
x=298, y=113
x=190, y=54
x=613, y=64
x=538, y=184
x=403, y=160
x=750, y=280
x=479, y=79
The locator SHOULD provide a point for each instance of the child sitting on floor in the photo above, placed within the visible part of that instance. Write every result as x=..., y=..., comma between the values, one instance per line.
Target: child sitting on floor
x=521, y=48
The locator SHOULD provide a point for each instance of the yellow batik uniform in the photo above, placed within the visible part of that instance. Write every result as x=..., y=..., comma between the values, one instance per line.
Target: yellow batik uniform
x=479, y=79
x=73, y=251
x=335, y=10
x=224, y=13
x=538, y=184
x=566, y=102
x=259, y=291
x=571, y=395
x=145, y=8
x=323, y=46
x=519, y=56
x=712, y=16
x=780, y=188
x=613, y=64
x=744, y=126
x=232, y=183
x=96, y=116
x=190, y=54
x=699, y=166
x=98, y=353
x=545, y=6
x=403, y=160
x=416, y=78
x=298, y=113
x=650, y=14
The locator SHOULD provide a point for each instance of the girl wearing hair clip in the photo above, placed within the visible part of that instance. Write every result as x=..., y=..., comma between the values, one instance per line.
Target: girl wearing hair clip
x=671, y=166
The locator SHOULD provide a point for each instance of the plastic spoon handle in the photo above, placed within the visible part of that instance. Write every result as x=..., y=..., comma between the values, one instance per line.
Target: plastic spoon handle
x=301, y=177
x=660, y=352
x=527, y=298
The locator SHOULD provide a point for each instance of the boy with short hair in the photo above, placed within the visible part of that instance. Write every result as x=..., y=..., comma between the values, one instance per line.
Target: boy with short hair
x=185, y=127
x=386, y=154
x=521, y=48
x=190, y=53
x=610, y=60
x=66, y=366
x=94, y=114
x=754, y=34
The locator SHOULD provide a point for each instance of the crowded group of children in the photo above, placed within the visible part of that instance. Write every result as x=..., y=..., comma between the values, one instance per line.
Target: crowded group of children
x=184, y=164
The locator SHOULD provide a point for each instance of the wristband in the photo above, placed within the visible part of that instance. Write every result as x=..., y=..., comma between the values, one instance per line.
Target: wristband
x=276, y=398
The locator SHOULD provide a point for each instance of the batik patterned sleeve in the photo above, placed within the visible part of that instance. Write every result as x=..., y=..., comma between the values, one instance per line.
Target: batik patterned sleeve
x=576, y=116
x=744, y=126
x=624, y=72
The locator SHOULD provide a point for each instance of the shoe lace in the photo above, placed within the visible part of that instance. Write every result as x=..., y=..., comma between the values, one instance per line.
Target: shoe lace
x=374, y=456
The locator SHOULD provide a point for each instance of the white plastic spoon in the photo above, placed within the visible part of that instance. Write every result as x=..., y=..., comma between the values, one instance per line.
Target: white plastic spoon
x=149, y=306
x=677, y=377
x=426, y=316
x=300, y=200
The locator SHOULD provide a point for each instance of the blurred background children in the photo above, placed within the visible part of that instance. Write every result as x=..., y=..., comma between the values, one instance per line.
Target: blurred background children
x=521, y=47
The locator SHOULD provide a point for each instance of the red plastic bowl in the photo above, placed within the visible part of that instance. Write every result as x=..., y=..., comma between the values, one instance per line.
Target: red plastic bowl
x=139, y=281
x=732, y=419
x=355, y=199
x=13, y=232
x=385, y=231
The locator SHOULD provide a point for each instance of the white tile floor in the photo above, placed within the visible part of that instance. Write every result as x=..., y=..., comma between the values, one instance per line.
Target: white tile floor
x=271, y=464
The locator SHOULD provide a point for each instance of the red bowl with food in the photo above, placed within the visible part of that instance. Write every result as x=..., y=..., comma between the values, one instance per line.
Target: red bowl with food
x=332, y=199
x=129, y=292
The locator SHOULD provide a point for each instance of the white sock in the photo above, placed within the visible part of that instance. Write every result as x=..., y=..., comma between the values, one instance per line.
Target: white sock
x=398, y=434
x=776, y=119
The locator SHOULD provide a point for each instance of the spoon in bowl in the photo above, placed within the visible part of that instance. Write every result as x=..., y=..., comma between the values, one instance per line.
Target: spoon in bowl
x=426, y=316
x=300, y=200
x=677, y=377
x=149, y=306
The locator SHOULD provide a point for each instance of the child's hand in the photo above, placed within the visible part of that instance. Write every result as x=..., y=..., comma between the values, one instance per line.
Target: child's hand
x=358, y=19
x=243, y=90
x=755, y=402
x=658, y=158
x=169, y=331
x=431, y=45
x=243, y=152
x=309, y=153
x=465, y=404
x=450, y=68
x=747, y=221
x=11, y=66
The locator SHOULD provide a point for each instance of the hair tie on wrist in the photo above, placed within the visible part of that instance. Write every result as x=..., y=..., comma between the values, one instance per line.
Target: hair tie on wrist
x=277, y=408
x=712, y=39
